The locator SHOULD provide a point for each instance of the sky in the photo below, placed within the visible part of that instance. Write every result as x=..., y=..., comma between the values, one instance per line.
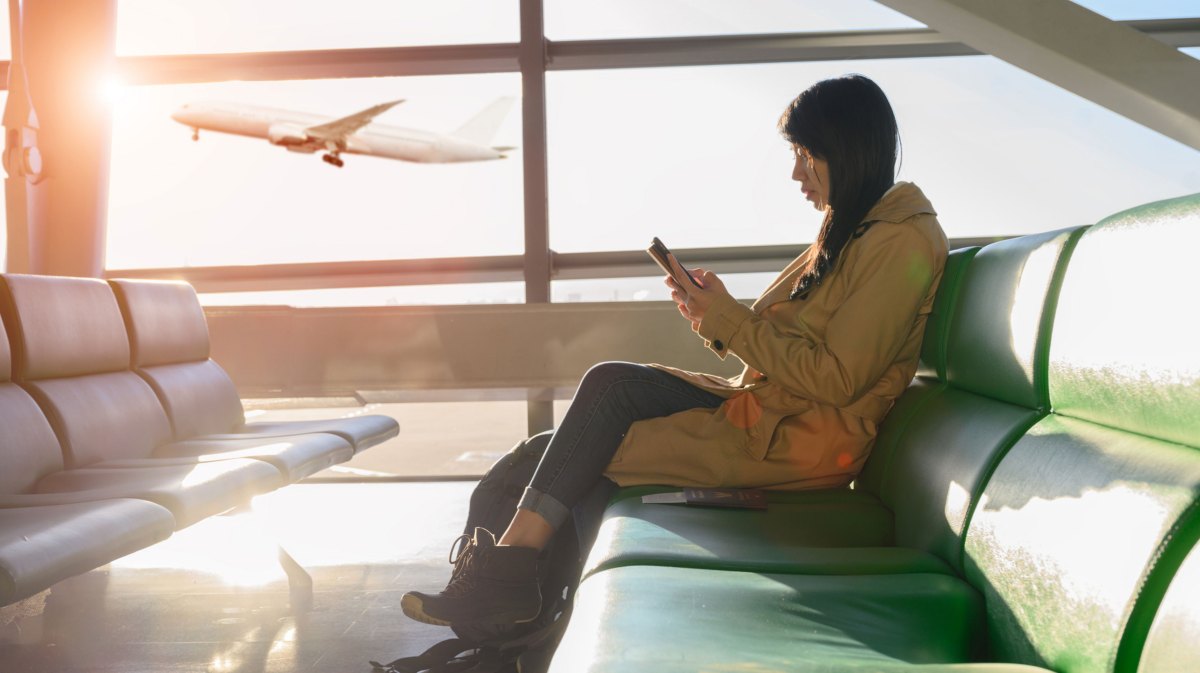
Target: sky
x=691, y=154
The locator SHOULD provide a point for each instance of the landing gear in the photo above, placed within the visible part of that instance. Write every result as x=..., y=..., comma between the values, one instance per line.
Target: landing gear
x=195, y=135
x=333, y=159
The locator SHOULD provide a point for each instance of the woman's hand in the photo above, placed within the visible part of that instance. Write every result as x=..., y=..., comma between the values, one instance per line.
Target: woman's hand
x=693, y=302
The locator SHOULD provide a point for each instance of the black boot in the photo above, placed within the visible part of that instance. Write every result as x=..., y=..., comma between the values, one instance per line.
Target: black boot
x=490, y=584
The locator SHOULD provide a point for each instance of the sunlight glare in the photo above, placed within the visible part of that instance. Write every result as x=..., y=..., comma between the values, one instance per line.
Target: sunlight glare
x=282, y=655
x=1095, y=284
x=1074, y=533
x=111, y=89
x=236, y=549
x=1028, y=302
x=957, y=500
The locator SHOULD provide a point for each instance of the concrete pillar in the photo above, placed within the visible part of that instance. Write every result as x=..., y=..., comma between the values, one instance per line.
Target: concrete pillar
x=69, y=48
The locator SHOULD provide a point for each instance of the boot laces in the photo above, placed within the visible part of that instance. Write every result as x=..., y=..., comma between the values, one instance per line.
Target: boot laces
x=463, y=557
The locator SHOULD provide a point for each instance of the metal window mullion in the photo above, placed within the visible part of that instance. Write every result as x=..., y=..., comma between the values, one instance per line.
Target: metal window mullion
x=532, y=58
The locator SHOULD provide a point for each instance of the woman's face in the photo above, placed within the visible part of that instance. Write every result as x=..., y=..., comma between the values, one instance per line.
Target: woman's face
x=813, y=175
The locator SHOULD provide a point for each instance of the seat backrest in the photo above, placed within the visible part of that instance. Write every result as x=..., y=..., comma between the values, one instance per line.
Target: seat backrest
x=953, y=441
x=28, y=448
x=1171, y=643
x=1087, y=518
x=71, y=353
x=170, y=348
x=937, y=327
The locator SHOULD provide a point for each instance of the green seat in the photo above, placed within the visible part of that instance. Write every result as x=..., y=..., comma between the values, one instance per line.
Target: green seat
x=1171, y=644
x=644, y=618
x=1085, y=522
x=827, y=533
x=799, y=526
x=996, y=358
x=938, y=434
x=1053, y=466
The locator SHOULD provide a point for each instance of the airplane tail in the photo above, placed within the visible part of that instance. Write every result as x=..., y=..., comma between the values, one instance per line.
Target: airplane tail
x=482, y=127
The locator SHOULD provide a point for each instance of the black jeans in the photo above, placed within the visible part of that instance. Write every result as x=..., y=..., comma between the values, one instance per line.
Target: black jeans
x=610, y=398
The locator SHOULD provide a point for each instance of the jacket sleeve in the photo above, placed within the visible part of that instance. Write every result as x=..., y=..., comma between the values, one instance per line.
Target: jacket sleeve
x=890, y=276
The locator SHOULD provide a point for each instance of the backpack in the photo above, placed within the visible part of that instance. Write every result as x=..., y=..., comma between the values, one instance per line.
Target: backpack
x=491, y=648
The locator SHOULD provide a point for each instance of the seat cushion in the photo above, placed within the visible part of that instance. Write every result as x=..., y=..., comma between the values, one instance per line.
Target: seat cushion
x=103, y=416
x=650, y=618
x=894, y=427
x=1069, y=536
x=42, y=545
x=5, y=351
x=199, y=397
x=190, y=492
x=295, y=456
x=361, y=431
x=1171, y=644
x=29, y=450
x=941, y=463
x=787, y=537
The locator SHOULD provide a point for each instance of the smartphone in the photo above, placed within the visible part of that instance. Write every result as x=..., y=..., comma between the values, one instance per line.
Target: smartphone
x=659, y=253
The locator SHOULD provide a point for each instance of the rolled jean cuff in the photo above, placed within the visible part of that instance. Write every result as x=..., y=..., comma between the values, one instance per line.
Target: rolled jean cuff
x=544, y=506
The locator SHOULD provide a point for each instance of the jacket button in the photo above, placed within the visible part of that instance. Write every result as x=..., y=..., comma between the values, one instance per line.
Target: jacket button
x=719, y=345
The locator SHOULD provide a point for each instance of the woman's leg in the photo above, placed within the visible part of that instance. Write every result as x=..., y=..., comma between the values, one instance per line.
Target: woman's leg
x=498, y=581
x=611, y=397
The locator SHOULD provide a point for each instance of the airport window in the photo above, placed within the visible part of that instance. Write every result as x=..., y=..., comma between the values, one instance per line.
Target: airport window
x=222, y=26
x=230, y=200
x=692, y=155
x=583, y=19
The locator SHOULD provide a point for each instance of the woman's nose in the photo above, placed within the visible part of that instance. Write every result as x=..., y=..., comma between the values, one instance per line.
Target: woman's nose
x=798, y=173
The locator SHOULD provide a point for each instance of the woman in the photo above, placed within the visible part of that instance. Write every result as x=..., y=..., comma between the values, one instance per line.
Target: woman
x=827, y=348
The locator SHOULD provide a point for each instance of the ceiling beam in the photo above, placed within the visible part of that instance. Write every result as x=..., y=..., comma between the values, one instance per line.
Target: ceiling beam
x=1085, y=53
x=574, y=55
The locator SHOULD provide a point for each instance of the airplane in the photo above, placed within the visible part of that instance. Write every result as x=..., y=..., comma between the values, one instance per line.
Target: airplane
x=354, y=134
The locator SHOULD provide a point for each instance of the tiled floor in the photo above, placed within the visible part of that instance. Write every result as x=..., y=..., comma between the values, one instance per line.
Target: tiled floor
x=214, y=599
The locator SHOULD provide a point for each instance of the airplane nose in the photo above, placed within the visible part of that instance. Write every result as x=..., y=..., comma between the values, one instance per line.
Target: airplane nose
x=181, y=115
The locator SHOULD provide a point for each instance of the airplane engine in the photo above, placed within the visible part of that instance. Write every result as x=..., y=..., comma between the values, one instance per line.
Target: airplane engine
x=287, y=134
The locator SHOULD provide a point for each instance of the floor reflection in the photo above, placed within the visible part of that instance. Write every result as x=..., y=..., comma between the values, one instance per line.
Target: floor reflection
x=213, y=597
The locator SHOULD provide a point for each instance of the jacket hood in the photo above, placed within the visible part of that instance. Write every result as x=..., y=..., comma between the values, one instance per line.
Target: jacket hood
x=899, y=203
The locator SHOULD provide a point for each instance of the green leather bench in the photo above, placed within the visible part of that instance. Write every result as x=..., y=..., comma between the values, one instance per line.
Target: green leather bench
x=1032, y=503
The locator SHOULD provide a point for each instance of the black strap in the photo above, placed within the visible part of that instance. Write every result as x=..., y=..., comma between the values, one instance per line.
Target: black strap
x=460, y=656
x=440, y=658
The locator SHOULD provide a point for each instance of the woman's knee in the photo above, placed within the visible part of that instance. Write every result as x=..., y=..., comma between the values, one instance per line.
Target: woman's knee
x=603, y=374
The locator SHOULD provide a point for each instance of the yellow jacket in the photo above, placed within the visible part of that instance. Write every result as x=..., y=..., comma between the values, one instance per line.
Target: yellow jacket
x=820, y=374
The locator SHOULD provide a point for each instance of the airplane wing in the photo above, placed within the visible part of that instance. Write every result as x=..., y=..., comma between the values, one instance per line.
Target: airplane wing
x=339, y=129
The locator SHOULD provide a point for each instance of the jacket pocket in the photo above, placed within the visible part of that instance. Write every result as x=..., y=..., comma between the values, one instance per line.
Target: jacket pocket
x=756, y=422
x=759, y=438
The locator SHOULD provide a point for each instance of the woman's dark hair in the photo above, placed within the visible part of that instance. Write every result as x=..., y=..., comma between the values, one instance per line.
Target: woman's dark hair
x=847, y=122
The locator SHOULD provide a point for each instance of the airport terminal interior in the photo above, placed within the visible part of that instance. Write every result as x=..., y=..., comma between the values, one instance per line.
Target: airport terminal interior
x=365, y=248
